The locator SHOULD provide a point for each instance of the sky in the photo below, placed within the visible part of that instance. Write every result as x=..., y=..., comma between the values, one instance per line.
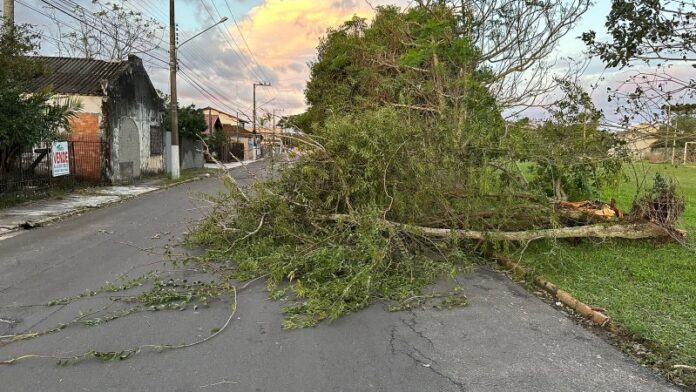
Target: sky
x=269, y=41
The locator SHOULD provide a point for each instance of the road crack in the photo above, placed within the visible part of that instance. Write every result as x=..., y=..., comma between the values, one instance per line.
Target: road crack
x=417, y=355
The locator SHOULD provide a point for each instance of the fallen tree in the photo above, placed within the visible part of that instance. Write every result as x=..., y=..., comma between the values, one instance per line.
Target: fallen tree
x=632, y=231
x=408, y=168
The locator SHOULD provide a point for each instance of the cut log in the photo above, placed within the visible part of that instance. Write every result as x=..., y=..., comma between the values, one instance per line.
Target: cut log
x=564, y=297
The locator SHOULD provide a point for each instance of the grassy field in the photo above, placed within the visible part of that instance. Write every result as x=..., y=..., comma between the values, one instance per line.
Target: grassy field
x=650, y=289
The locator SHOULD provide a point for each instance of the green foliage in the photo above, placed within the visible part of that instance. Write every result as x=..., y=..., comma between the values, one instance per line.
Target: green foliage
x=573, y=158
x=660, y=204
x=645, y=30
x=191, y=121
x=418, y=58
x=681, y=129
x=395, y=143
x=25, y=119
x=403, y=129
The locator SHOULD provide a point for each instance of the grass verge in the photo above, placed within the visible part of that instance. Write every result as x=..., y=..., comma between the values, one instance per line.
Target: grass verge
x=648, y=288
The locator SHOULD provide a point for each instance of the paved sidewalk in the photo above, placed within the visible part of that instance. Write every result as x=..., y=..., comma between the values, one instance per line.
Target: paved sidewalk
x=38, y=213
x=226, y=166
x=45, y=211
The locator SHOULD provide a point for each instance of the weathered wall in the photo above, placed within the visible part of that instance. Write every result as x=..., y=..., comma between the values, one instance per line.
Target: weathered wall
x=191, y=153
x=87, y=124
x=133, y=97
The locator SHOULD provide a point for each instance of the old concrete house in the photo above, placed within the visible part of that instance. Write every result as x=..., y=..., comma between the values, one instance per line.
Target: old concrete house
x=121, y=114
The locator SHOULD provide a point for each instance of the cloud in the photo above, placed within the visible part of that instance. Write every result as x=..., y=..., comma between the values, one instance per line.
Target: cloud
x=283, y=36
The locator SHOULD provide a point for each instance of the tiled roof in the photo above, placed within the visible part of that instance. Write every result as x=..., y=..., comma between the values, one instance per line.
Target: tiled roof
x=233, y=131
x=208, y=108
x=67, y=75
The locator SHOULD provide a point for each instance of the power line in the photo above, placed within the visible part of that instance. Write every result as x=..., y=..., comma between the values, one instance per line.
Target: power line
x=246, y=43
x=59, y=9
x=232, y=45
x=207, y=91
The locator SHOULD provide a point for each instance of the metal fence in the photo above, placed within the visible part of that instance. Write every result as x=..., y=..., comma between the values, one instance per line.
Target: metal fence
x=31, y=170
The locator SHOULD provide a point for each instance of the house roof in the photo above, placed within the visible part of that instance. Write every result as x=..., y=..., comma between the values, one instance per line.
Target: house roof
x=214, y=119
x=233, y=131
x=68, y=75
x=205, y=109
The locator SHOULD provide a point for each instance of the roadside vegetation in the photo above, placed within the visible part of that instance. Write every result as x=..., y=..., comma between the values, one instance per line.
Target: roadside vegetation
x=649, y=288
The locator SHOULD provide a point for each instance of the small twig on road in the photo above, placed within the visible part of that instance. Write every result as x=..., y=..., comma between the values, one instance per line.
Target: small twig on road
x=127, y=353
x=223, y=382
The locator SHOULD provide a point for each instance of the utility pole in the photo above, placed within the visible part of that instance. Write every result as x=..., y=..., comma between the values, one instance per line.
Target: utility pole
x=262, y=84
x=273, y=145
x=669, y=124
x=8, y=14
x=280, y=150
x=174, y=151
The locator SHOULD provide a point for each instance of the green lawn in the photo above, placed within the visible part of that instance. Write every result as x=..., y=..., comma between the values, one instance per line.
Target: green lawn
x=649, y=289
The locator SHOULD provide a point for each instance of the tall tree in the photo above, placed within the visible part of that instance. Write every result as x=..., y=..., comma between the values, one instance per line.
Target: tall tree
x=109, y=30
x=655, y=39
x=517, y=41
x=191, y=121
x=25, y=119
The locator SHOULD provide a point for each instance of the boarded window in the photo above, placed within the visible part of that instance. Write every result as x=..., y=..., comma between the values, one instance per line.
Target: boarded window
x=156, y=141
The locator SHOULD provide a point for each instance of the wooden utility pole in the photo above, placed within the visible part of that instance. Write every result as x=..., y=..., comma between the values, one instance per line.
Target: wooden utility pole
x=174, y=151
x=674, y=138
x=8, y=14
x=254, y=115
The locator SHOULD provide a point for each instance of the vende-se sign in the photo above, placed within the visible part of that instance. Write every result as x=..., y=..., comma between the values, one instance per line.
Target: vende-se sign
x=61, y=159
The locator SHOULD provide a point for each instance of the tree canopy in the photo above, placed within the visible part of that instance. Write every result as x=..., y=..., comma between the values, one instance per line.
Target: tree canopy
x=25, y=119
x=191, y=120
x=402, y=131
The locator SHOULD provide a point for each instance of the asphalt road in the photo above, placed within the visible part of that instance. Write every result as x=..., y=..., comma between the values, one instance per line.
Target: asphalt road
x=505, y=340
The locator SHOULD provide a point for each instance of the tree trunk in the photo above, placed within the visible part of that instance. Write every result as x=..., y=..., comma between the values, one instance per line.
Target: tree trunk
x=628, y=231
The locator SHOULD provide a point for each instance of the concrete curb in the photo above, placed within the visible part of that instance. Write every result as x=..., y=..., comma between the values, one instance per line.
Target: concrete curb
x=616, y=333
x=563, y=296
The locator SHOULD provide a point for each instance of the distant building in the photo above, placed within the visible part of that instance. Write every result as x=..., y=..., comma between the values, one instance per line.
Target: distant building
x=225, y=118
x=639, y=140
x=241, y=140
x=120, y=124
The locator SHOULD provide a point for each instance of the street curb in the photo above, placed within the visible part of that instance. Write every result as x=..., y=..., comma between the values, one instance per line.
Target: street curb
x=28, y=225
x=597, y=317
x=614, y=331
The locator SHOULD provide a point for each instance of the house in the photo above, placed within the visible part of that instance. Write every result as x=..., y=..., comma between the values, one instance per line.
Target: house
x=639, y=140
x=121, y=115
x=241, y=140
x=225, y=118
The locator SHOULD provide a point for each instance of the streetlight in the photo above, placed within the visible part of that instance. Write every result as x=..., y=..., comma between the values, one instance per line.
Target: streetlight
x=262, y=84
x=223, y=20
x=175, y=169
